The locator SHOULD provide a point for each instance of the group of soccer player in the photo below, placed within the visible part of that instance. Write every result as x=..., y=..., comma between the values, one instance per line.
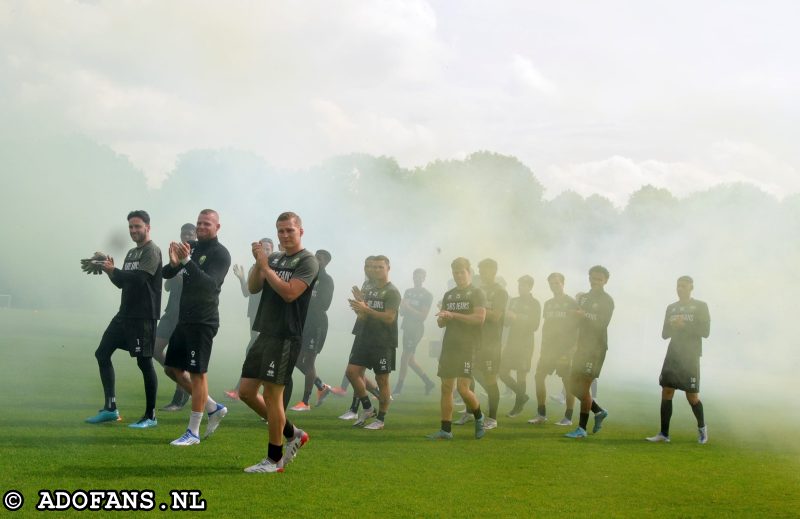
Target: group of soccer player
x=290, y=293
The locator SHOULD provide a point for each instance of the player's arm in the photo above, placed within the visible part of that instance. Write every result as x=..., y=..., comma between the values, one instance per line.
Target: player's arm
x=498, y=307
x=666, y=331
x=536, y=315
x=474, y=318
x=302, y=278
x=702, y=322
x=238, y=271
x=148, y=265
x=216, y=268
x=600, y=319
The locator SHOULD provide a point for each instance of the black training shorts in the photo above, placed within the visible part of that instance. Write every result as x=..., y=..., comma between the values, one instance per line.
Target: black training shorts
x=272, y=359
x=190, y=347
x=588, y=362
x=136, y=336
x=681, y=372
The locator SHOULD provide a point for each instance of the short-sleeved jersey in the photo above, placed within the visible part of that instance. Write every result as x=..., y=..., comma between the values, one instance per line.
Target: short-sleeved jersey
x=496, y=300
x=203, y=276
x=528, y=313
x=593, y=327
x=560, y=328
x=275, y=316
x=458, y=334
x=375, y=332
x=418, y=299
x=687, y=340
x=140, y=281
x=321, y=297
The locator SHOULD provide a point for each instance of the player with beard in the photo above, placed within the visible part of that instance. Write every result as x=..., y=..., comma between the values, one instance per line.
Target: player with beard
x=315, y=331
x=286, y=279
x=133, y=327
x=522, y=318
x=686, y=323
x=462, y=315
x=594, y=312
x=170, y=320
x=559, y=332
x=203, y=266
x=414, y=308
x=375, y=345
x=252, y=305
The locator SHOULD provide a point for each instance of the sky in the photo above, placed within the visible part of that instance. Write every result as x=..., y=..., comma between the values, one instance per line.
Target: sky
x=596, y=97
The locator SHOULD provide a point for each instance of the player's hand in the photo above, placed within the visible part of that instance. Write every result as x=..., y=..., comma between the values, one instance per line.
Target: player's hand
x=182, y=251
x=173, y=255
x=359, y=307
x=108, y=265
x=445, y=315
x=678, y=322
x=238, y=271
x=357, y=295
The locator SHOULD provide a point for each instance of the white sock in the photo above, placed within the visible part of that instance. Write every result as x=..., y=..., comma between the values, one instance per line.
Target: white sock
x=211, y=405
x=194, y=422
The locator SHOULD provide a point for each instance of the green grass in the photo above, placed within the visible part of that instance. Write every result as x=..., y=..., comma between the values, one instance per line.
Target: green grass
x=50, y=384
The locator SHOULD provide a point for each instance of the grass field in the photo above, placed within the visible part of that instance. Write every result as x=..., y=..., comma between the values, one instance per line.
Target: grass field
x=750, y=468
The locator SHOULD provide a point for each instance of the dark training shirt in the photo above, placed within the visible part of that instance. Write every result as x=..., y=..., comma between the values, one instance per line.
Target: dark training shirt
x=375, y=332
x=697, y=326
x=459, y=335
x=560, y=328
x=593, y=327
x=203, y=275
x=276, y=317
x=140, y=281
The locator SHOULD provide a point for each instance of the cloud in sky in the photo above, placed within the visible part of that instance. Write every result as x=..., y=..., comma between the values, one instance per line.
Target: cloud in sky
x=626, y=93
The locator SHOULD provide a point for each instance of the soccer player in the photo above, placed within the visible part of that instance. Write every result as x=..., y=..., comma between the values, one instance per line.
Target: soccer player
x=487, y=357
x=594, y=312
x=522, y=318
x=252, y=305
x=462, y=315
x=133, y=327
x=559, y=333
x=372, y=387
x=170, y=320
x=414, y=308
x=375, y=345
x=315, y=331
x=286, y=279
x=686, y=323
x=203, y=266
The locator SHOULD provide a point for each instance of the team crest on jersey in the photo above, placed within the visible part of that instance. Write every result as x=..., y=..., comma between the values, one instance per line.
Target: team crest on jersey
x=202, y=259
x=295, y=262
x=458, y=296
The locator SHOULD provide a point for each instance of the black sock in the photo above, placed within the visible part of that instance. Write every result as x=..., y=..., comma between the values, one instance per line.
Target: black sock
x=275, y=452
x=541, y=410
x=150, y=385
x=354, y=404
x=306, y=396
x=365, y=403
x=447, y=426
x=666, y=416
x=584, y=420
x=697, y=409
x=596, y=408
x=568, y=414
x=107, y=378
x=382, y=416
x=477, y=412
x=494, y=399
x=288, y=430
x=318, y=384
